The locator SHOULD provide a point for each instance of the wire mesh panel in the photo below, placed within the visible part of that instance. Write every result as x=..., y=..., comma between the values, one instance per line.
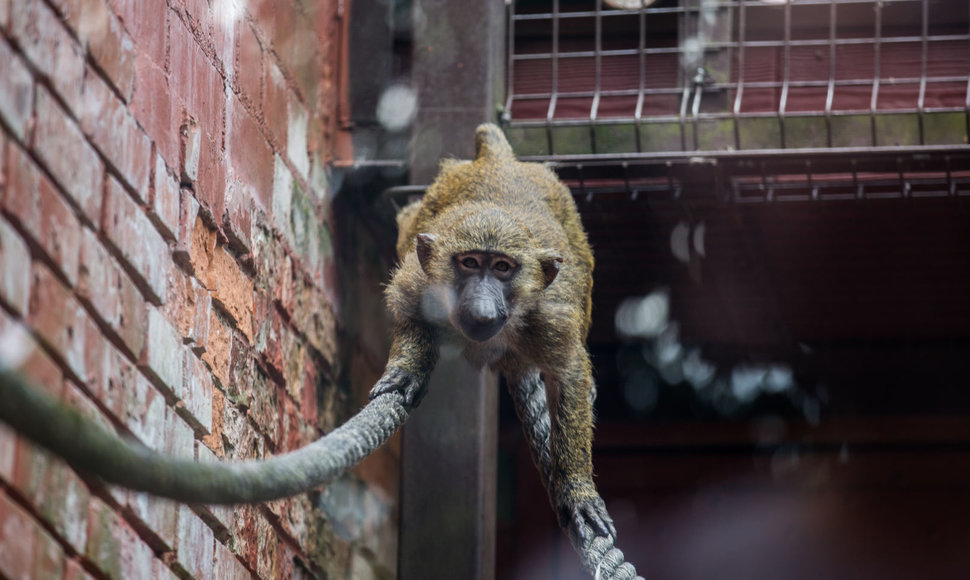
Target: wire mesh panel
x=689, y=76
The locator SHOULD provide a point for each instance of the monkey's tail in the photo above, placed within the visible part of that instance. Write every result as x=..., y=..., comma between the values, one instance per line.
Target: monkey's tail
x=88, y=447
x=602, y=559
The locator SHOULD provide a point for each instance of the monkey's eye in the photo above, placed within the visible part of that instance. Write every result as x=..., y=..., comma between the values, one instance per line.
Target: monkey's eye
x=502, y=266
x=470, y=263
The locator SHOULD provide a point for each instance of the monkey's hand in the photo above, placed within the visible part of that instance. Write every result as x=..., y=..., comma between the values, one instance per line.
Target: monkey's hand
x=579, y=516
x=398, y=380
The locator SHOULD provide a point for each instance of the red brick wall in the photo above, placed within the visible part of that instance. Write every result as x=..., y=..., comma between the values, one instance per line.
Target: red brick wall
x=167, y=257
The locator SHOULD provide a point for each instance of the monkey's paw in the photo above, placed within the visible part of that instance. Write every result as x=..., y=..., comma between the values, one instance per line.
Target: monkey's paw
x=398, y=380
x=583, y=515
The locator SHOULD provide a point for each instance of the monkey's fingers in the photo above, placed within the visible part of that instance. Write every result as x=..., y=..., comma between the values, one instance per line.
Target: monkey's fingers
x=398, y=380
x=589, y=518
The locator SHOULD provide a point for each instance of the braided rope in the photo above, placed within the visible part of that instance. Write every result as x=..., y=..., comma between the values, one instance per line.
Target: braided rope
x=600, y=557
x=88, y=447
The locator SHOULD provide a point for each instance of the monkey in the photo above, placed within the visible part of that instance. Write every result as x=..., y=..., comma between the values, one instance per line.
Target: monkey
x=494, y=259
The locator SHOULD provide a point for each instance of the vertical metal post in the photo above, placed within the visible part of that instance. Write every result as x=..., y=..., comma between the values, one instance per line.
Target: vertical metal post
x=448, y=478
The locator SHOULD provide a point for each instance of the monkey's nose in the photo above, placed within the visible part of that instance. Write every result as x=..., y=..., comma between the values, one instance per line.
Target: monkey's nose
x=481, y=326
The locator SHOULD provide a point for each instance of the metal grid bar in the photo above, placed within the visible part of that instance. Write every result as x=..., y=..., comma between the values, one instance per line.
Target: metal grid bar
x=619, y=80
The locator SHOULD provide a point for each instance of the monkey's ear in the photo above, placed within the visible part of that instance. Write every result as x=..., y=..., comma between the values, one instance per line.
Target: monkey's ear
x=490, y=142
x=423, y=244
x=550, y=266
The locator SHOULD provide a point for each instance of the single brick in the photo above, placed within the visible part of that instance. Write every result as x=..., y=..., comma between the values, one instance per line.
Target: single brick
x=241, y=441
x=164, y=200
x=294, y=363
x=238, y=219
x=296, y=432
x=187, y=237
x=121, y=383
x=275, y=96
x=195, y=545
x=201, y=243
x=265, y=405
x=16, y=92
x=8, y=448
x=152, y=106
x=248, y=78
x=162, y=356
x=58, y=318
x=144, y=413
x=311, y=238
x=61, y=146
x=218, y=347
x=243, y=529
x=103, y=35
x=231, y=289
x=283, y=185
x=197, y=393
x=274, y=268
x=49, y=46
x=139, y=244
x=312, y=314
x=269, y=561
x=227, y=18
x=249, y=154
x=157, y=514
x=213, y=441
x=190, y=137
x=227, y=567
x=269, y=336
x=147, y=21
x=43, y=213
x=243, y=375
x=19, y=539
x=114, y=131
x=56, y=492
x=195, y=80
x=188, y=307
x=292, y=513
x=296, y=135
x=179, y=439
x=113, y=547
x=320, y=178
x=112, y=293
x=213, y=179
x=14, y=265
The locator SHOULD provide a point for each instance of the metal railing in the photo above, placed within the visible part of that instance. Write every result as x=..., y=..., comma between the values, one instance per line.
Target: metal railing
x=693, y=76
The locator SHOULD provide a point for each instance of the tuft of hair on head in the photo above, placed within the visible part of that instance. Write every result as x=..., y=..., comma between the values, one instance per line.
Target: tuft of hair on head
x=490, y=143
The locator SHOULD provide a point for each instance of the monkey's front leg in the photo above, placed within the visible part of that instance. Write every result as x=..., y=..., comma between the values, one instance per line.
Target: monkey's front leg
x=414, y=353
x=578, y=503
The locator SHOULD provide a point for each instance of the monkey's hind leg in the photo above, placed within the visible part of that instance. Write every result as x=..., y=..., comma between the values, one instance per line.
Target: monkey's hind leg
x=529, y=395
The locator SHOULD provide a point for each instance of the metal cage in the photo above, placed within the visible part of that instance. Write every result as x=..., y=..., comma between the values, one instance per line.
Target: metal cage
x=678, y=78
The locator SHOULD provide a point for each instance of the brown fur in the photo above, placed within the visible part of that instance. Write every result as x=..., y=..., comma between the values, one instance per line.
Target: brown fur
x=497, y=204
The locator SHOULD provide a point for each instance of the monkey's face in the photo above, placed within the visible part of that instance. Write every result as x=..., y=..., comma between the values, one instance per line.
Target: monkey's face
x=483, y=288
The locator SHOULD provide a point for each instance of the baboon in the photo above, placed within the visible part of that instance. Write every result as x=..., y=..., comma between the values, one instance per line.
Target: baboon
x=494, y=257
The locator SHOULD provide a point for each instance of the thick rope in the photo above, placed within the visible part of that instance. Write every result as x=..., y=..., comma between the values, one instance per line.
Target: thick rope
x=90, y=448
x=602, y=559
